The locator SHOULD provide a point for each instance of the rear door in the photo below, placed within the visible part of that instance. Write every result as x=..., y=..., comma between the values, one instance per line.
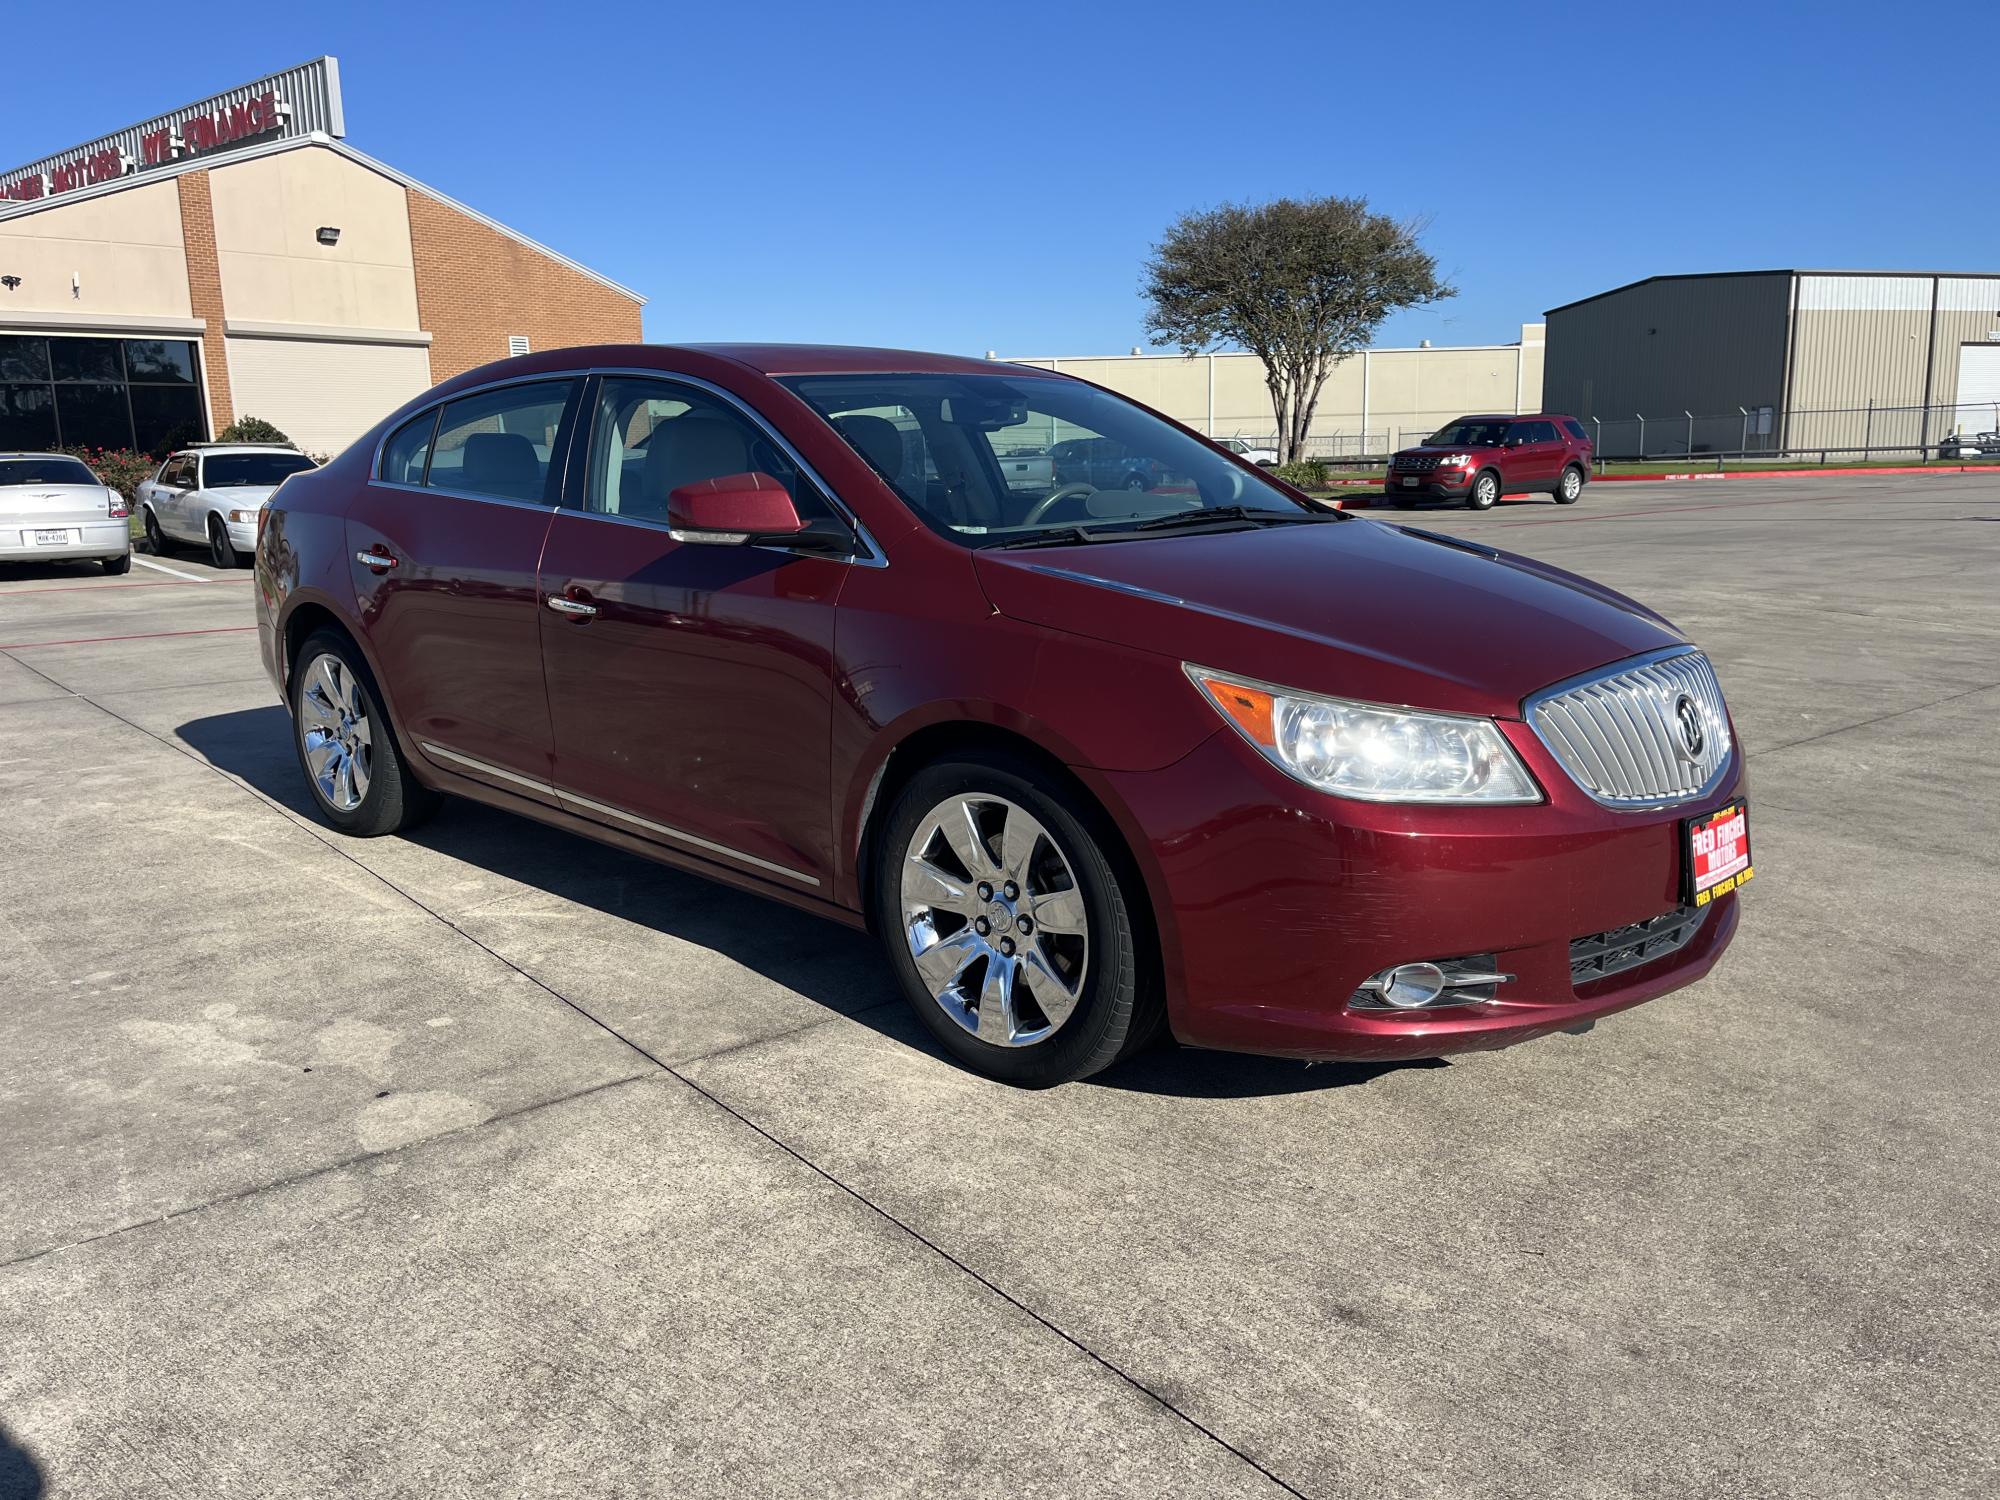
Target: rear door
x=443, y=545
x=690, y=685
x=1533, y=455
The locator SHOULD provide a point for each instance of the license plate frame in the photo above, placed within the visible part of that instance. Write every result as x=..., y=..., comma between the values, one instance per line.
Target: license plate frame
x=50, y=536
x=1715, y=859
x=1409, y=481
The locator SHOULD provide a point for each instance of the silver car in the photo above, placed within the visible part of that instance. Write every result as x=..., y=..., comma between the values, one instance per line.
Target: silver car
x=53, y=509
x=209, y=496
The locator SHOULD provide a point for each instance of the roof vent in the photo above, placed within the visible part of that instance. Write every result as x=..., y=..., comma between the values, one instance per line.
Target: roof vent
x=517, y=344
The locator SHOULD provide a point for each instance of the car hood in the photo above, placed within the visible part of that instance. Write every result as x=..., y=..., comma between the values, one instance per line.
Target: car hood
x=1424, y=450
x=1360, y=609
x=241, y=496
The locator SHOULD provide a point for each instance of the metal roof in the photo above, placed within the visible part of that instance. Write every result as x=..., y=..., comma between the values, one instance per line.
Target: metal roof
x=1773, y=271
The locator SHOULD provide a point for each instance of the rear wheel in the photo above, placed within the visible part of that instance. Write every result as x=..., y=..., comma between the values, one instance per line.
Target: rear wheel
x=1485, y=491
x=221, y=551
x=1009, y=926
x=1570, y=489
x=346, y=747
x=119, y=564
x=155, y=538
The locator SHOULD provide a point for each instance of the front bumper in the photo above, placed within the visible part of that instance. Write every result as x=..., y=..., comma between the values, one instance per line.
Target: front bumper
x=1429, y=486
x=1276, y=902
x=91, y=539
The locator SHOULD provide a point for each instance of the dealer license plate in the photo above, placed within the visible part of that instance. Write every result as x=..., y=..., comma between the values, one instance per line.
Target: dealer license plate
x=52, y=538
x=1409, y=483
x=1718, y=852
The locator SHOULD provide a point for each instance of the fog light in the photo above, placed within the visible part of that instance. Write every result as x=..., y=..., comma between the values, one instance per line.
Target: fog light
x=1409, y=986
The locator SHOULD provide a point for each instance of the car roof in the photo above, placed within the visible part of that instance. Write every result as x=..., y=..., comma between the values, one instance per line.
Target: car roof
x=212, y=448
x=1514, y=416
x=842, y=359
x=35, y=453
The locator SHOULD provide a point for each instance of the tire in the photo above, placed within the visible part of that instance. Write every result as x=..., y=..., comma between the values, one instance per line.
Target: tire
x=1080, y=974
x=122, y=563
x=155, y=538
x=1569, y=488
x=383, y=797
x=1135, y=481
x=1485, y=491
x=221, y=551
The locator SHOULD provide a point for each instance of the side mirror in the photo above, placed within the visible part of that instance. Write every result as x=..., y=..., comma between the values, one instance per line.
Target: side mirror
x=746, y=510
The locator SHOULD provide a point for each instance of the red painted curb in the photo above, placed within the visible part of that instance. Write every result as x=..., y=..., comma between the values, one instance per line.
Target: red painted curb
x=1803, y=473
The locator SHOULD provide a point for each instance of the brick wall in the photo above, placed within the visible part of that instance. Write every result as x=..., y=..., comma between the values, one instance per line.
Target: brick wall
x=475, y=286
x=204, y=276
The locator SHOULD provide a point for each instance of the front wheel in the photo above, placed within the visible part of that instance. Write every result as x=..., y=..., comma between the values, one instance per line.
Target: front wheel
x=1009, y=926
x=221, y=551
x=346, y=747
x=1485, y=492
x=1571, y=488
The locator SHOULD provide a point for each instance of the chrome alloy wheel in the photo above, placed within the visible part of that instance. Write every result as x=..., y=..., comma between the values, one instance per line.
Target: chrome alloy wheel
x=1572, y=484
x=334, y=730
x=995, y=919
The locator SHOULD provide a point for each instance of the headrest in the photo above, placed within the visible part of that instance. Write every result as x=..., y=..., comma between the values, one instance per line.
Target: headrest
x=503, y=462
x=877, y=440
x=691, y=448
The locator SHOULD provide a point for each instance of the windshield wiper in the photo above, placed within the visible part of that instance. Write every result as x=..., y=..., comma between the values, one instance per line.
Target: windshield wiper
x=1055, y=536
x=1256, y=515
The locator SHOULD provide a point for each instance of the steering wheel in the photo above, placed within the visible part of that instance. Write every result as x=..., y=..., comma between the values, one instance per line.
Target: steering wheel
x=1041, y=507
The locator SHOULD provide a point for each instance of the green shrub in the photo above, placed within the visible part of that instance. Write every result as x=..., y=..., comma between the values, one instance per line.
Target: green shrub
x=251, y=430
x=120, y=468
x=1308, y=474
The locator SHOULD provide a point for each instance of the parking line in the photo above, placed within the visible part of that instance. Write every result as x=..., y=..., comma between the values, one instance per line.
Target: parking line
x=153, y=635
x=163, y=568
x=96, y=588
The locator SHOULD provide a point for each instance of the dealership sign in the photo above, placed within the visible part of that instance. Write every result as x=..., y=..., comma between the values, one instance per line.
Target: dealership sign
x=299, y=101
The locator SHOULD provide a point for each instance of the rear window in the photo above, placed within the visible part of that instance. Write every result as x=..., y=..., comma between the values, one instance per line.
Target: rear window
x=56, y=470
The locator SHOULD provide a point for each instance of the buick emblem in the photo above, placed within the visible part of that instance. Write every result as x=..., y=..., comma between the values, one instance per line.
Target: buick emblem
x=1688, y=715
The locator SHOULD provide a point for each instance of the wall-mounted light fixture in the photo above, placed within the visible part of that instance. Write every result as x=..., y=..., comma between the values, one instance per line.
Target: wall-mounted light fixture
x=10, y=282
x=329, y=234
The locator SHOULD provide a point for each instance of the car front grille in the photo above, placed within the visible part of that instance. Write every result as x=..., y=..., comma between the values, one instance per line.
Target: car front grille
x=1646, y=733
x=1416, y=463
x=1602, y=954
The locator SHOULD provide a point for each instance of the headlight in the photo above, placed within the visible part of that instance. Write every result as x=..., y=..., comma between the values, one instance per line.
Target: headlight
x=1455, y=460
x=242, y=516
x=1369, y=752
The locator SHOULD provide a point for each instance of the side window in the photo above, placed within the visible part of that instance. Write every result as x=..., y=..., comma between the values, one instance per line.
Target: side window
x=170, y=474
x=500, y=442
x=1575, y=429
x=408, y=451
x=651, y=437
x=191, y=472
x=1545, y=432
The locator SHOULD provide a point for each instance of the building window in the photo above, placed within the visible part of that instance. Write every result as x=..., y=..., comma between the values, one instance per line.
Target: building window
x=59, y=392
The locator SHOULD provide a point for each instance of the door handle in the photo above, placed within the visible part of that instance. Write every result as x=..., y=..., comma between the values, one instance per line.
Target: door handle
x=576, y=609
x=381, y=562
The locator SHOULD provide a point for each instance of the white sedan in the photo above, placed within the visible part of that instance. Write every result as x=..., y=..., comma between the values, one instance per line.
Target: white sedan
x=1264, y=458
x=53, y=509
x=209, y=496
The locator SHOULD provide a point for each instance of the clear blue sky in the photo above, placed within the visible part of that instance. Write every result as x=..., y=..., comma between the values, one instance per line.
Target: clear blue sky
x=978, y=176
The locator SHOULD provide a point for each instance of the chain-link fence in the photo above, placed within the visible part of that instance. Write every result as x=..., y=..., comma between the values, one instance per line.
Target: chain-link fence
x=1821, y=434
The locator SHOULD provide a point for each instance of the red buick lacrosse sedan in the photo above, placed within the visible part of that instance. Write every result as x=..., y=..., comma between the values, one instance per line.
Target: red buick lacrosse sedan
x=1096, y=748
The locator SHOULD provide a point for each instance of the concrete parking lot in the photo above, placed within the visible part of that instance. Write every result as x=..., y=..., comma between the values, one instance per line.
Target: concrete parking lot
x=493, y=1161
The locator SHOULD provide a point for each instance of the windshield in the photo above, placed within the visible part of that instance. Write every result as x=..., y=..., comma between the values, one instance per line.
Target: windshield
x=1468, y=434
x=957, y=448
x=223, y=471
x=45, y=471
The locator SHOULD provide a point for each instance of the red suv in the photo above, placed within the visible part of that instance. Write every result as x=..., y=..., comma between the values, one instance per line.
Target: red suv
x=1479, y=459
x=1093, y=760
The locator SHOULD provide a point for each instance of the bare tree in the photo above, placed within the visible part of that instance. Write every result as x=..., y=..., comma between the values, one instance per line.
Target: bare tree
x=1300, y=283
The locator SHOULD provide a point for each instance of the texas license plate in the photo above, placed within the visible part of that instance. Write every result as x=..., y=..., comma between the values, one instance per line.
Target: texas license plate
x=52, y=538
x=1409, y=483
x=1718, y=852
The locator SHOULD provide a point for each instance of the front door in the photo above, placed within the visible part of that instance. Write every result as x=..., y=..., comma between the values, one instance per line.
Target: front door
x=443, y=545
x=690, y=685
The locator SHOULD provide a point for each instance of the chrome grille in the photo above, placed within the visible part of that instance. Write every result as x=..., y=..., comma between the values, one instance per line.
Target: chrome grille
x=1623, y=733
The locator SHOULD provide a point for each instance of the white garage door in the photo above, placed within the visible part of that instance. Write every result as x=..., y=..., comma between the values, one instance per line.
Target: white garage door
x=1978, y=389
x=323, y=393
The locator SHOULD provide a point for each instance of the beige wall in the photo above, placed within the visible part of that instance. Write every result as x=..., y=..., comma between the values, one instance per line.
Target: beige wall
x=268, y=212
x=124, y=248
x=1370, y=403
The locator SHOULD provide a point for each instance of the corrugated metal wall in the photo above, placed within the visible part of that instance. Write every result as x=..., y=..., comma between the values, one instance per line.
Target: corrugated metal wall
x=1968, y=312
x=1705, y=344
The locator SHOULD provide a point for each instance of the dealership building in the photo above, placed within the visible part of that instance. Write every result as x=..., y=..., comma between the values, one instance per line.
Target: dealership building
x=1780, y=361
x=238, y=258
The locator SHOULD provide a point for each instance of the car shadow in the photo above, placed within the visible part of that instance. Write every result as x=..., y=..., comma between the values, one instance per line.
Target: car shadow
x=832, y=965
x=20, y=1475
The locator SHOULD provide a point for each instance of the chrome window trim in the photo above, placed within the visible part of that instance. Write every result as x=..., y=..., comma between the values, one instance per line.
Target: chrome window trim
x=575, y=801
x=1723, y=768
x=874, y=556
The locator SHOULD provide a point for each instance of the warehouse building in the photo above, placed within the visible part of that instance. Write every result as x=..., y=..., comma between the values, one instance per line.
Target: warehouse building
x=1374, y=402
x=238, y=258
x=1780, y=361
